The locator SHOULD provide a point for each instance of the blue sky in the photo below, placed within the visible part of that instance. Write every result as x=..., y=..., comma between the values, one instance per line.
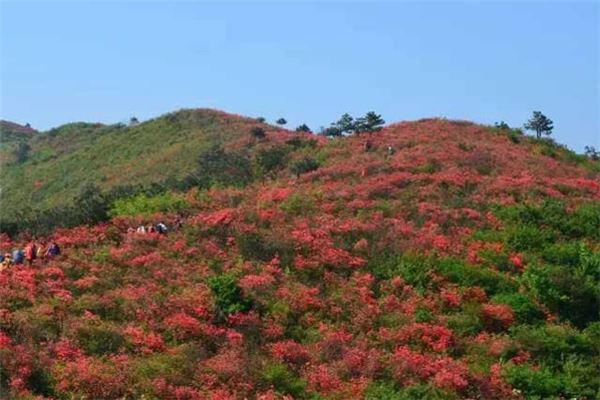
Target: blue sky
x=307, y=62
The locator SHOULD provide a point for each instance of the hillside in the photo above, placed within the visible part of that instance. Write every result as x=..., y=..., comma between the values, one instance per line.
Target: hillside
x=13, y=132
x=13, y=138
x=63, y=159
x=464, y=263
x=42, y=186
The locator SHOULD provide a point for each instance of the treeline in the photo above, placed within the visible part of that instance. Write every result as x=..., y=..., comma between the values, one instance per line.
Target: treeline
x=348, y=125
x=215, y=167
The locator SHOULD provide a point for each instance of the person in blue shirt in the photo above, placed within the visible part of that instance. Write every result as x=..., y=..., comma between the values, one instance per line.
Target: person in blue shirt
x=18, y=257
x=53, y=250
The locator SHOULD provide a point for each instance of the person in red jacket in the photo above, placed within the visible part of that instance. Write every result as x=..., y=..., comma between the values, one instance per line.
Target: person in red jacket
x=30, y=252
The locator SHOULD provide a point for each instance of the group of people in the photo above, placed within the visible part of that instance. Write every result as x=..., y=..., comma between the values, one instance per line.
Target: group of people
x=42, y=250
x=29, y=254
x=160, y=228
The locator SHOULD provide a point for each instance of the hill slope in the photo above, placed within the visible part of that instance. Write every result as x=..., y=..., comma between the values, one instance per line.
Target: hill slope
x=458, y=265
x=13, y=132
x=63, y=159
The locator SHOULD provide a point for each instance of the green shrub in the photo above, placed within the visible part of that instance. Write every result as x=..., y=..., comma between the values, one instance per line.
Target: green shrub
x=379, y=390
x=35, y=325
x=92, y=204
x=538, y=383
x=515, y=135
x=21, y=152
x=526, y=311
x=412, y=269
x=298, y=142
x=382, y=391
x=271, y=159
x=580, y=378
x=143, y=204
x=527, y=237
x=298, y=204
x=304, y=165
x=228, y=296
x=252, y=246
x=217, y=167
x=160, y=365
x=431, y=167
x=589, y=263
x=467, y=275
x=586, y=220
x=100, y=338
x=284, y=381
x=423, y=315
x=572, y=293
x=551, y=344
x=41, y=382
x=467, y=322
x=562, y=253
x=494, y=259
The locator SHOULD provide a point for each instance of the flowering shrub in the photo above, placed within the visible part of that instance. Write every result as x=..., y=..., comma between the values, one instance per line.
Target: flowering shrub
x=498, y=316
x=290, y=352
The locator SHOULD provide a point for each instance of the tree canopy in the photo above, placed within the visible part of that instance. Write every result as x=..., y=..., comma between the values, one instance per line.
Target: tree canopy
x=303, y=128
x=540, y=124
x=348, y=125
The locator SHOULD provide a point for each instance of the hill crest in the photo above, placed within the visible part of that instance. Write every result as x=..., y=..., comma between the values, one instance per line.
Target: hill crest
x=164, y=151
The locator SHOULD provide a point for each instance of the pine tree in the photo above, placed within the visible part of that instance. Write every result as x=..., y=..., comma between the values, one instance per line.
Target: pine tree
x=345, y=124
x=303, y=128
x=371, y=122
x=540, y=124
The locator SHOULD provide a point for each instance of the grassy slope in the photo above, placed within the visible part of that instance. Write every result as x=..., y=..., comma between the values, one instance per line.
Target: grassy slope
x=13, y=132
x=64, y=158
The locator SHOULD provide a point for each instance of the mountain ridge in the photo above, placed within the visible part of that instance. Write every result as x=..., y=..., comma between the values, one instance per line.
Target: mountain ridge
x=165, y=149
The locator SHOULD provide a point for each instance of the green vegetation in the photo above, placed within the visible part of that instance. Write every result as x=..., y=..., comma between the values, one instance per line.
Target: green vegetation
x=22, y=152
x=564, y=277
x=303, y=128
x=100, y=338
x=229, y=298
x=270, y=160
x=284, y=381
x=217, y=167
x=347, y=125
x=298, y=204
x=142, y=204
x=304, y=165
x=386, y=391
x=63, y=159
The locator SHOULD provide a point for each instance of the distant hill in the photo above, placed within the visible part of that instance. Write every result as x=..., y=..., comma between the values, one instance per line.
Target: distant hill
x=65, y=158
x=13, y=132
x=14, y=138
